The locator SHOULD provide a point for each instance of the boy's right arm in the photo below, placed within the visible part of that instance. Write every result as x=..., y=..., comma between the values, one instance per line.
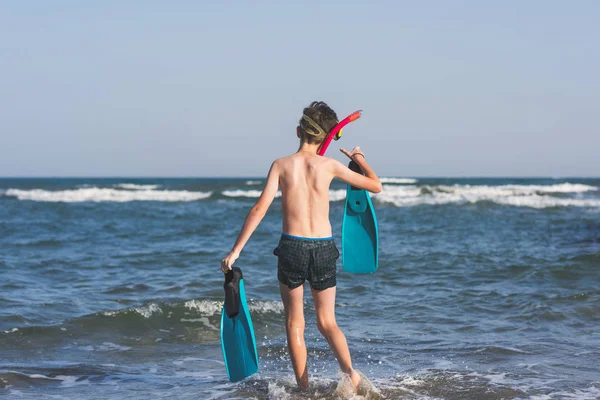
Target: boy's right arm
x=370, y=181
x=254, y=217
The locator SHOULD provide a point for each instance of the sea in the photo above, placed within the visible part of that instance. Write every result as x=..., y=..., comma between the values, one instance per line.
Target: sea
x=486, y=289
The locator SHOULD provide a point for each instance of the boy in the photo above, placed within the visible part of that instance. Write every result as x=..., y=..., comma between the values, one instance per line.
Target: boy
x=306, y=249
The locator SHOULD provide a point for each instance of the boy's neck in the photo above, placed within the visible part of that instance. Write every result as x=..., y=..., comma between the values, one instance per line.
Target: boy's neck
x=308, y=148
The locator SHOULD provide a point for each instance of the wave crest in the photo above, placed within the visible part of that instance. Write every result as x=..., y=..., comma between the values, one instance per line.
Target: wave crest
x=397, y=180
x=334, y=195
x=133, y=186
x=194, y=307
x=98, y=195
x=245, y=193
x=533, y=196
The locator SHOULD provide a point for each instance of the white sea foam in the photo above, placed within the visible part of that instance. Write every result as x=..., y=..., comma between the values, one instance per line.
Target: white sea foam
x=533, y=196
x=547, y=202
x=208, y=307
x=282, y=388
x=337, y=195
x=133, y=186
x=110, y=313
x=39, y=376
x=149, y=310
x=106, y=195
x=397, y=180
x=204, y=307
x=334, y=195
x=66, y=380
x=245, y=193
x=263, y=307
x=105, y=347
x=591, y=393
x=144, y=311
x=201, y=308
x=558, y=188
x=253, y=183
x=278, y=392
x=406, y=195
x=71, y=380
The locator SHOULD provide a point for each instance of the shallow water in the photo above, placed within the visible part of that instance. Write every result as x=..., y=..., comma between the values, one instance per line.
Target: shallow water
x=486, y=289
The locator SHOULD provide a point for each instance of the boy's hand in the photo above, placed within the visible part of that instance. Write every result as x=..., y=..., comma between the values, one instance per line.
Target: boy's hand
x=227, y=262
x=355, y=151
x=368, y=180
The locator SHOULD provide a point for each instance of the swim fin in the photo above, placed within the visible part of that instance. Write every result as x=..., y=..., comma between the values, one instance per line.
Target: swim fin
x=237, y=333
x=360, y=235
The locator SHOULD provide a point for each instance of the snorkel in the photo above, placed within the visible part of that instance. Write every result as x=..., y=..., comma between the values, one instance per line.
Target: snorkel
x=336, y=132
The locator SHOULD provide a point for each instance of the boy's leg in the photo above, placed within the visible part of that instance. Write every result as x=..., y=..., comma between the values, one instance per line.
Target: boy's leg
x=293, y=302
x=325, y=310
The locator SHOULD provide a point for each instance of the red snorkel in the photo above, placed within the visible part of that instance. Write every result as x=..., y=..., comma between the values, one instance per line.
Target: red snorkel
x=336, y=132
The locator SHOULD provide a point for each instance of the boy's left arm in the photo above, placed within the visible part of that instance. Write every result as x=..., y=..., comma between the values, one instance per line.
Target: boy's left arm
x=254, y=217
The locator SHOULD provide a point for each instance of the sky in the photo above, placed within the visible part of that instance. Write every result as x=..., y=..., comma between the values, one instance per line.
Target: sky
x=216, y=88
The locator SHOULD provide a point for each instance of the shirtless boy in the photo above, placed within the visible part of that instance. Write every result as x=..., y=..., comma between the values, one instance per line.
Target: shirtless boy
x=306, y=249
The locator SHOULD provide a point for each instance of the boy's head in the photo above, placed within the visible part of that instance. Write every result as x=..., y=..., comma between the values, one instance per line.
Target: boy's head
x=317, y=120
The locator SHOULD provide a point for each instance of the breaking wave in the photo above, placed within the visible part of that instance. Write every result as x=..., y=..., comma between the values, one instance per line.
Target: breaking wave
x=334, y=195
x=245, y=193
x=397, y=180
x=97, y=195
x=133, y=186
x=162, y=315
x=533, y=196
x=191, y=308
x=394, y=193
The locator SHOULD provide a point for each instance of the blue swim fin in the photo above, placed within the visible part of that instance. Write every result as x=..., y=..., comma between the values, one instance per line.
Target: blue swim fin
x=237, y=333
x=360, y=235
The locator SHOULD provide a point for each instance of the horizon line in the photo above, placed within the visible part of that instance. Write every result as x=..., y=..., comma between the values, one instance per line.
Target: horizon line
x=264, y=177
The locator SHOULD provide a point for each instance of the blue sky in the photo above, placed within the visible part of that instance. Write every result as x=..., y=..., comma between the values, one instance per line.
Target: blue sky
x=192, y=88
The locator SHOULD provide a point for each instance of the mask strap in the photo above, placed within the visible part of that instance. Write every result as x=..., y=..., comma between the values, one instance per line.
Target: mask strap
x=314, y=125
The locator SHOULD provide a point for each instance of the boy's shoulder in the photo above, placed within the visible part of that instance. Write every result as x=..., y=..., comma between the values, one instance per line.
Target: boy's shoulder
x=292, y=157
x=291, y=161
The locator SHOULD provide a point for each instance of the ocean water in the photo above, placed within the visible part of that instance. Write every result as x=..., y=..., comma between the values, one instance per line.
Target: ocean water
x=486, y=289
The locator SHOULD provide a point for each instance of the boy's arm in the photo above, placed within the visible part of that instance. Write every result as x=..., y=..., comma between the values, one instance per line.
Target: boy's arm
x=254, y=217
x=370, y=181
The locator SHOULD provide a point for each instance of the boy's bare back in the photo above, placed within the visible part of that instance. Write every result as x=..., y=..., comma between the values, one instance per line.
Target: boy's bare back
x=304, y=180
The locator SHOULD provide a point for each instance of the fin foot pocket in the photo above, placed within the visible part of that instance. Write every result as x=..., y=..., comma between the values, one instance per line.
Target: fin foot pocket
x=232, y=291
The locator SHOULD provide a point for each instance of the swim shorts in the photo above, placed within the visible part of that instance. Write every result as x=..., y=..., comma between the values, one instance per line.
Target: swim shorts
x=307, y=259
